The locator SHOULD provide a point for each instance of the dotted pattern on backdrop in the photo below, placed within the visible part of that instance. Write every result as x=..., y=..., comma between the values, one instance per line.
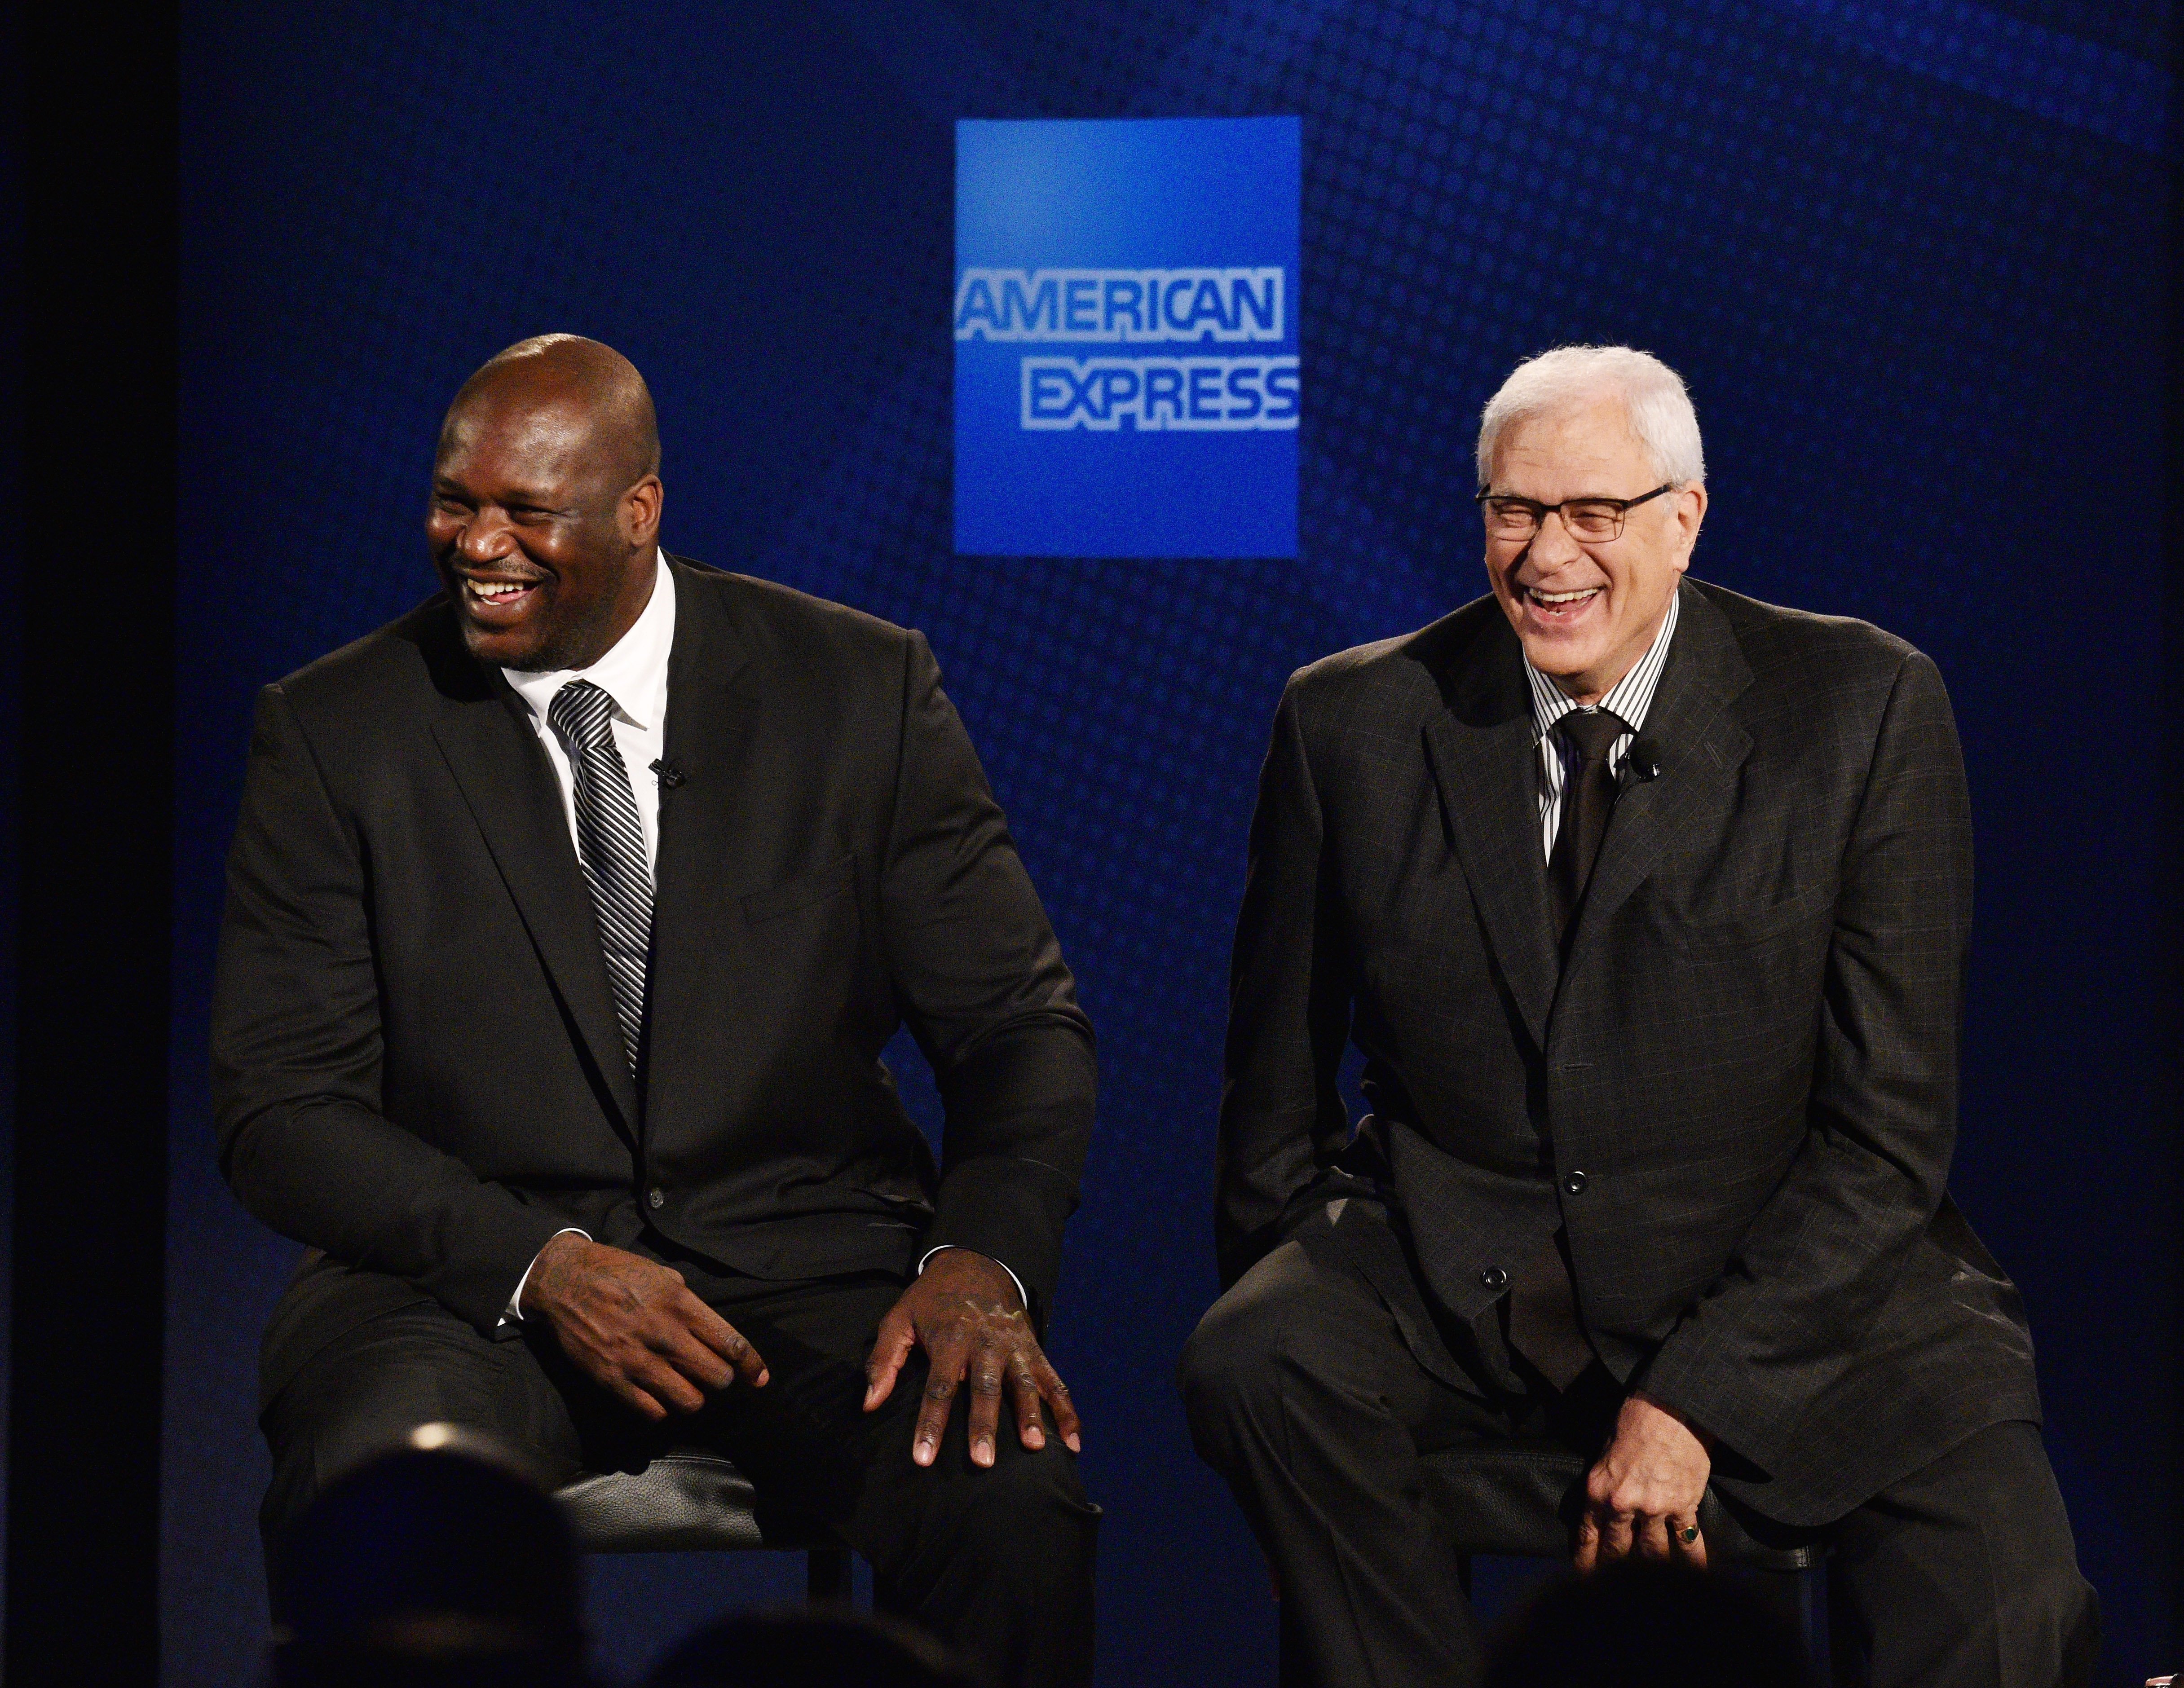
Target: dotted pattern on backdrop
x=1902, y=306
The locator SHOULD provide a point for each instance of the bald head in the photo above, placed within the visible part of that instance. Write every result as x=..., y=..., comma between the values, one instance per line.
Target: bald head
x=578, y=394
x=546, y=501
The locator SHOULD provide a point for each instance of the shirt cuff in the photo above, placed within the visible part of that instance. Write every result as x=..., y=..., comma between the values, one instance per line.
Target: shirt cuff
x=513, y=1313
x=1003, y=1264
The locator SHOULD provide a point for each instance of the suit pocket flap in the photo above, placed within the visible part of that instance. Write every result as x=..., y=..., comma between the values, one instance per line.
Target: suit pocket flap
x=801, y=891
x=1743, y=927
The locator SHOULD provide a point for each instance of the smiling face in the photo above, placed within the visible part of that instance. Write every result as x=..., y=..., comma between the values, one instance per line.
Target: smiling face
x=1587, y=609
x=545, y=515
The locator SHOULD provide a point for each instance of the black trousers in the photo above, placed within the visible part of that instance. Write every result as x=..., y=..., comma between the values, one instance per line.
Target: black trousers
x=998, y=1562
x=1304, y=1391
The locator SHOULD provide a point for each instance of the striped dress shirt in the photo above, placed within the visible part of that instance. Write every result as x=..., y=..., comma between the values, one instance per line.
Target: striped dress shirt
x=1628, y=699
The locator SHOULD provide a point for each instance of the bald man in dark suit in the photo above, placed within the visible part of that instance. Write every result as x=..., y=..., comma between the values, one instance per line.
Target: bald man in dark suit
x=567, y=918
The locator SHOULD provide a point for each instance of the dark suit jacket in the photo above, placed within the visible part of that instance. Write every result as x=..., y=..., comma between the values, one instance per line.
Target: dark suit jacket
x=416, y=1065
x=1738, y=1094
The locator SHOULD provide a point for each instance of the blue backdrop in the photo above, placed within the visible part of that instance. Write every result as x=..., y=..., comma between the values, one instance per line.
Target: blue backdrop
x=1908, y=257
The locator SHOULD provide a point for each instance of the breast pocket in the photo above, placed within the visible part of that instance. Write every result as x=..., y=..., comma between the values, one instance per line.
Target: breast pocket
x=1735, y=926
x=803, y=892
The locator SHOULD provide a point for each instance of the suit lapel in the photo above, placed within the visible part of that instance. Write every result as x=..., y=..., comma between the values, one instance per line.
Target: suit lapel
x=494, y=752
x=1702, y=748
x=712, y=713
x=1484, y=759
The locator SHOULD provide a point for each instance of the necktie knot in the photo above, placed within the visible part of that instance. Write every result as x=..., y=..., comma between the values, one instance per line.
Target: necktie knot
x=1592, y=732
x=1587, y=798
x=580, y=713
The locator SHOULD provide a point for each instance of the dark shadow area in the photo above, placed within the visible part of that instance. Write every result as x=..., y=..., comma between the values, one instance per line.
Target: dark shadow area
x=90, y=731
x=810, y=1649
x=12, y=252
x=1640, y=1624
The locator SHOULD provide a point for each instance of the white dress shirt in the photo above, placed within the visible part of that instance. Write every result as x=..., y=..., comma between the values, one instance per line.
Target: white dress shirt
x=633, y=673
x=1628, y=699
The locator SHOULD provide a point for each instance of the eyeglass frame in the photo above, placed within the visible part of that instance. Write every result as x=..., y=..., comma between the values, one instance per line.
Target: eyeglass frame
x=1541, y=512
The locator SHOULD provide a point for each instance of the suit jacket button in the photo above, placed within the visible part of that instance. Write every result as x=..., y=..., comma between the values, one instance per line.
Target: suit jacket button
x=658, y=1198
x=1495, y=1277
x=1575, y=1183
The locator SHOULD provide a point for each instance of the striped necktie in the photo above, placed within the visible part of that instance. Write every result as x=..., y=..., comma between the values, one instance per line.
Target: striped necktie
x=610, y=842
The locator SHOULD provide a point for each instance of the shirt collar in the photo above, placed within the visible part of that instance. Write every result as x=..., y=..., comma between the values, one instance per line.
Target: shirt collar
x=633, y=672
x=1629, y=698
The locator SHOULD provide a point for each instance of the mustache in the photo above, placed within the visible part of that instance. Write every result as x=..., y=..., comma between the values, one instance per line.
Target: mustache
x=496, y=571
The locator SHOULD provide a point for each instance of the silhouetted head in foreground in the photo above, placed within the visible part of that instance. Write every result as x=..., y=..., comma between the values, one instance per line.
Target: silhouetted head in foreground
x=1639, y=1623
x=440, y=1563
x=820, y=1648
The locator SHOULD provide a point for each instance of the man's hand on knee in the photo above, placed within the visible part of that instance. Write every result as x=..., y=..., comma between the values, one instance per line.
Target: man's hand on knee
x=632, y=1324
x=965, y=1311
x=1643, y=1494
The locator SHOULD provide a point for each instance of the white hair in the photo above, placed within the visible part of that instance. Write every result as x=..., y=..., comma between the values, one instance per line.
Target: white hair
x=1653, y=397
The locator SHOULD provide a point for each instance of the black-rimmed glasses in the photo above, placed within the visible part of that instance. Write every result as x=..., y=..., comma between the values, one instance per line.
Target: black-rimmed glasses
x=1508, y=517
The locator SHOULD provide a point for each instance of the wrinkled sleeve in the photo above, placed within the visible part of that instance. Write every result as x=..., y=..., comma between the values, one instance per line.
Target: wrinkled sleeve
x=983, y=989
x=297, y=1054
x=1811, y=1275
x=1282, y=1115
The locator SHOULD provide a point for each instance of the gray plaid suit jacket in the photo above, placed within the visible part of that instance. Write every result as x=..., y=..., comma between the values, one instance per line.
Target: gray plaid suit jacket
x=1738, y=1094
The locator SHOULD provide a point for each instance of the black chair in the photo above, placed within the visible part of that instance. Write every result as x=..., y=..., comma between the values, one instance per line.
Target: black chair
x=689, y=1501
x=1520, y=1499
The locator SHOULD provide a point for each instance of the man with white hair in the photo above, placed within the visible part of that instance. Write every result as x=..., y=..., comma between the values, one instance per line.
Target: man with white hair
x=1646, y=905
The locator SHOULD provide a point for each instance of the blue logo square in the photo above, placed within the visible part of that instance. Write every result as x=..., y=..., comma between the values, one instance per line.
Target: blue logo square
x=1126, y=336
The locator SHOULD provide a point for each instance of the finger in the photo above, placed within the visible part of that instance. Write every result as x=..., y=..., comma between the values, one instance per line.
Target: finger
x=1024, y=1392
x=610, y=1374
x=723, y=1339
x=1687, y=1543
x=681, y=1348
x=985, y=1379
x=1653, y=1537
x=1056, y=1395
x=1588, y=1542
x=625, y=1391
x=940, y=1385
x=1615, y=1535
x=660, y=1380
x=897, y=1336
x=642, y=1403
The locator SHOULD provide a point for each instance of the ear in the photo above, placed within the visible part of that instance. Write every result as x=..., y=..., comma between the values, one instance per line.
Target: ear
x=1691, y=512
x=638, y=513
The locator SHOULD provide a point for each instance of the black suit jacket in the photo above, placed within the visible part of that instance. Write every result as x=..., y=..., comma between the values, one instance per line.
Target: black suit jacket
x=416, y=1065
x=1738, y=1093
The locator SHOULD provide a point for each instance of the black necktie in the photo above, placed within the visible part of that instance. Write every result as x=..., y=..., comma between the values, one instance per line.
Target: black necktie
x=1588, y=795
x=1543, y=1316
x=610, y=843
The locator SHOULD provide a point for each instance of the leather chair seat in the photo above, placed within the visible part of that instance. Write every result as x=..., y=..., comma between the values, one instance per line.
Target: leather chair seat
x=692, y=1501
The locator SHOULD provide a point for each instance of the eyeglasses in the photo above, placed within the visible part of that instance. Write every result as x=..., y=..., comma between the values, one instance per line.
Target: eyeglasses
x=1594, y=519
